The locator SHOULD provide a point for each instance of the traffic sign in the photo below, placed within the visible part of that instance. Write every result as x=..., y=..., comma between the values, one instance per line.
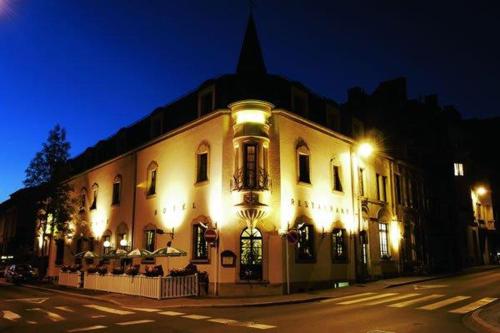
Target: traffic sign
x=210, y=235
x=292, y=236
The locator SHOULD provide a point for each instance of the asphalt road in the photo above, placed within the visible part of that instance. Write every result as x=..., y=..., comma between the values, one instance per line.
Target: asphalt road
x=435, y=306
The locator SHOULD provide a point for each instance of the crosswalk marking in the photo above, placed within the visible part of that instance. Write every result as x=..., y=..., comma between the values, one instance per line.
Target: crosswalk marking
x=144, y=309
x=442, y=303
x=416, y=300
x=109, y=310
x=223, y=321
x=135, y=322
x=369, y=298
x=90, y=328
x=171, y=313
x=63, y=308
x=392, y=299
x=51, y=315
x=9, y=315
x=259, y=326
x=344, y=297
x=473, y=306
x=195, y=317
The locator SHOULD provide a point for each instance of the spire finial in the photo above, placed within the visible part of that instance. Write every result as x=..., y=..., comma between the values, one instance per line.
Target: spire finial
x=251, y=60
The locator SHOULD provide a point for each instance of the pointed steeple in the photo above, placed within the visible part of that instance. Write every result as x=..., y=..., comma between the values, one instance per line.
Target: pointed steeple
x=251, y=60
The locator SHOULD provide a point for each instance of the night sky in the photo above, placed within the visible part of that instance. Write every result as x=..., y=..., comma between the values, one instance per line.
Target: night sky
x=97, y=65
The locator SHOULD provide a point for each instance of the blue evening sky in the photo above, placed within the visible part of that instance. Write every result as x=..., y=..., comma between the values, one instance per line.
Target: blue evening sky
x=97, y=65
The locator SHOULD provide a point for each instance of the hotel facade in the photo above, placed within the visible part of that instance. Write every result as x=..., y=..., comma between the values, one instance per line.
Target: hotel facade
x=298, y=197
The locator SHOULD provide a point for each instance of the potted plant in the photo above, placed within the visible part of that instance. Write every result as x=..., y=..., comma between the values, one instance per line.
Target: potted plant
x=133, y=270
x=102, y=270
x=117, y=271
x=91, y=269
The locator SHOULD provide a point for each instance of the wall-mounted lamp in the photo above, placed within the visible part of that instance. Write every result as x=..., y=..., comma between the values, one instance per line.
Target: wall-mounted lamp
x=107, y=243
x=365, y=149
x=481, y=190
x=123, y=242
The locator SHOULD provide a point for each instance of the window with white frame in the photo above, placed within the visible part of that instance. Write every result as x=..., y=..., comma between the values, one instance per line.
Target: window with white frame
x=458, y=169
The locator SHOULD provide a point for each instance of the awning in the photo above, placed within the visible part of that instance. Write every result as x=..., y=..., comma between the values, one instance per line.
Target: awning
x=116, y=254
x=139, y=253
x=169, y=252
x=86, y=255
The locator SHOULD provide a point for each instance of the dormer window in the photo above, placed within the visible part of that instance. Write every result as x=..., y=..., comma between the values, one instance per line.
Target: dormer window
x=300, y=102
x=206, y=101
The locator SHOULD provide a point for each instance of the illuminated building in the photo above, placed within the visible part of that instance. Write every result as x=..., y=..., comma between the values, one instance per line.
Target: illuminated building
x=252, y=155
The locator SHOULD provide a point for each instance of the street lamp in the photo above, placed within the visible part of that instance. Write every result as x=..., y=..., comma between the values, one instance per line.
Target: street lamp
x=123, y=242
x=365, y=149
x=481, y=190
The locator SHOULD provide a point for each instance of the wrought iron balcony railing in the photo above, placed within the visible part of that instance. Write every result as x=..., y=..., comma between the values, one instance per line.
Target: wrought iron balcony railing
x=243, y=180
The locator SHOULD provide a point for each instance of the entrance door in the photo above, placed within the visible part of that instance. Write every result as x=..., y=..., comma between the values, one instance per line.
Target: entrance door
x=251, y=254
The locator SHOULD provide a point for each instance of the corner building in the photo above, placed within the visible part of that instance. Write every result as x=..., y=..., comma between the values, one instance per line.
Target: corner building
x=253, y=156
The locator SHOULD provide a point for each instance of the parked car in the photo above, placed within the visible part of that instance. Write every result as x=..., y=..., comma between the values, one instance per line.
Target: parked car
x=20, y=273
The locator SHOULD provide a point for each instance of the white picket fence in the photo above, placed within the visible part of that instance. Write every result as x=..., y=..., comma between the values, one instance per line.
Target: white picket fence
x=139, y=285
x=70, y=279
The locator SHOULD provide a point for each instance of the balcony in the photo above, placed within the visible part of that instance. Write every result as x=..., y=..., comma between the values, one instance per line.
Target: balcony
x=242, y=182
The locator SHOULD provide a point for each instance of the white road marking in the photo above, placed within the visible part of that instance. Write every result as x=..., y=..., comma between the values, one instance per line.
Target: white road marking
x=195, y=317
x=135, y=322
x=223, y=321
x=443, y=303
x=90, y=328
x=369, y=298
x=98, y=316
x=474, y=305
x=259, y=326
x=9, y=315
x=108, y=310
x=344, y=297
x=143, y=309
x=428, y=286
x=416, y=300
x=31, y=322
x=51, y=315
x=392, y=299
x=29, y=300
x=171, y=313
x=63, y=308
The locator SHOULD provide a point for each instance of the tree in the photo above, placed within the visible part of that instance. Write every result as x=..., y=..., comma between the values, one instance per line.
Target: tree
x=48, y=171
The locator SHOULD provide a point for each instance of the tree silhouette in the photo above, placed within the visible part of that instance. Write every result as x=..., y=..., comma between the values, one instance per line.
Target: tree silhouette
x=48, y=171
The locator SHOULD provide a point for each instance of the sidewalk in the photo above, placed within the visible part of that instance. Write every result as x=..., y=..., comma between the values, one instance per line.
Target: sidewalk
x=208, y=301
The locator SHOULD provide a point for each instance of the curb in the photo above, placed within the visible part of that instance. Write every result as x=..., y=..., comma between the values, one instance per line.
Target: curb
x=481, y=324
x=212, y=305
x=418, y=281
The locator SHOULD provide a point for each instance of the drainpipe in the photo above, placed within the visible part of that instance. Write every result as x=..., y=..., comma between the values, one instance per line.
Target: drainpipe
x=353, y=197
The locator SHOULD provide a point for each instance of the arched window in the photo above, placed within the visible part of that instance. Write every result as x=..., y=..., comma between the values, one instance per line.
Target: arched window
x=122, y=236
x=152, y=176
x=117, y=187
x=95, y=190
x=200, y=246
x=305, y=244
x=303, y=161
x=251, y=254
x=202, y=154
x=150, y=237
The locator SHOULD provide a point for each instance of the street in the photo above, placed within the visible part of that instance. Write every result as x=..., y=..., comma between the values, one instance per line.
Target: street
x=433, y=306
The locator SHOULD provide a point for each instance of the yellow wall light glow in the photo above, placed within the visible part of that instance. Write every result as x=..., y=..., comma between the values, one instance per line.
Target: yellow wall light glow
x=481, y=190
x=395, y=235
x=98, y=225
x=365, y=149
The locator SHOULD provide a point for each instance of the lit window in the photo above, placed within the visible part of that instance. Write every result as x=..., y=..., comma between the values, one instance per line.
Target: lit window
x=116, y=190
x=305, y=245
x=251, y=254
x=337, y=184
x=339, y=245
x=384, y=240
x=200, y=248
x=250, y=165
x=458, y=169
